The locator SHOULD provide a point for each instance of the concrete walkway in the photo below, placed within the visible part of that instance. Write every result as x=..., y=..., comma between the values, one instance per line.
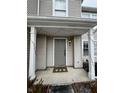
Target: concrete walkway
x=62, y=78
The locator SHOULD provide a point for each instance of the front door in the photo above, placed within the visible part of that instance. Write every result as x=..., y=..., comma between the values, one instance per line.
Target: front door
x=60, y=52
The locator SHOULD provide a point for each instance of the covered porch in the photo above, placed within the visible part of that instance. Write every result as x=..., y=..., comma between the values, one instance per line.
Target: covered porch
x=62, y=78
x=43, y=33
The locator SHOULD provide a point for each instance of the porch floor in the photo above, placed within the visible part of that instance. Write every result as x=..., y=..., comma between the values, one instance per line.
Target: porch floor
x=62, y=78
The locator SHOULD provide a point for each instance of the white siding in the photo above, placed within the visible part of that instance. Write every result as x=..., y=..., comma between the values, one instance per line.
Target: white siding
x=77, y=52
x=41, y=52
x=50, y=51
x=69, y=53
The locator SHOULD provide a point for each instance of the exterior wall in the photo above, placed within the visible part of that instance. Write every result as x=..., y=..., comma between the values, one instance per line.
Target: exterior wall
x=41, y=52
x=95, y=36
x=45, y=7
x=74, y=7
x=32, y=7
x=50, y=51
x=77, y=52
x=45, y=52
x=70, y=51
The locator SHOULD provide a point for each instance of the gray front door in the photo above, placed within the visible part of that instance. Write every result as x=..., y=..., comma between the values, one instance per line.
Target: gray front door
x=60, y=52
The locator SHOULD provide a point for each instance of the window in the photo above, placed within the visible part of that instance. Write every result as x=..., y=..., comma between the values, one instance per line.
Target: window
x=95, y=68
x=94, y=16
x=89, y=15
x=85, y=15
x=85, y=48
x=60, y=8
x=95, y=48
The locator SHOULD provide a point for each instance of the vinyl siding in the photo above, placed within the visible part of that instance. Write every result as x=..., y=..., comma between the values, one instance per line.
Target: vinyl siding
x=32, y=7
x=74, y=7
x=45, y=7
x=70, y=53
x=50, y=51
x=41, y=52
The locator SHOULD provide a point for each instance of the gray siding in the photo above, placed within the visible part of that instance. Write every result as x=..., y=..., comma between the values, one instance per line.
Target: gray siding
x=45, y=7
x=74, y=7
x=70, y=52
x=50, y=51
x=32, y=7
x=41, y=52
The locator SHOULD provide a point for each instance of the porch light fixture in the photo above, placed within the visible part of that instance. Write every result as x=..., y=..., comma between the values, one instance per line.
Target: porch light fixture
x=69, y=42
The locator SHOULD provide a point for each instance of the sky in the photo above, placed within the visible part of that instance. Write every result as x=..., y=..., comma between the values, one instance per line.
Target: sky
x=89, y=3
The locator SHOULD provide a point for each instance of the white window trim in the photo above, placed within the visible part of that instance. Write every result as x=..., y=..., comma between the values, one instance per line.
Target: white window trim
x=53, y=8
x=83, y=48
x=38, y=8
x=54, y=49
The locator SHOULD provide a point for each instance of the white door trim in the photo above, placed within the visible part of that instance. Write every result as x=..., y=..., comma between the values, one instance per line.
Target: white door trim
x=54, y=48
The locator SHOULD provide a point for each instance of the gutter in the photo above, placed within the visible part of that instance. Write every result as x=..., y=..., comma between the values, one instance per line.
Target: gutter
x=72, y=19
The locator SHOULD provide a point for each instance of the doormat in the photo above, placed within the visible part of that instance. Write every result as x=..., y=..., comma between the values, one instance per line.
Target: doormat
x=60, y=69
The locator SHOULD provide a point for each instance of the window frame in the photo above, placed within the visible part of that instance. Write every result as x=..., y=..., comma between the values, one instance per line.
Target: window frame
x=85, y=49
x=95, y=48
x=54, y=9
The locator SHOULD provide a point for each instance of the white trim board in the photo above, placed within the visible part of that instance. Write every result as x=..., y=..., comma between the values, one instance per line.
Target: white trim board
x=54, y=48
x=38, y=7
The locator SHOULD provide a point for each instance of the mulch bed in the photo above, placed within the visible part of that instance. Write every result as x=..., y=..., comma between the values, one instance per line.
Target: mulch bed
x=85, y=87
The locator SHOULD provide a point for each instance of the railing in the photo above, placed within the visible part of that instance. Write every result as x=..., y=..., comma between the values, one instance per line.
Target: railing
x=89, y=15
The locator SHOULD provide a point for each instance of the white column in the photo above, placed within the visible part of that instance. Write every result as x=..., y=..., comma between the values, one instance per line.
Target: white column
x=32, y=53
x=91, y=55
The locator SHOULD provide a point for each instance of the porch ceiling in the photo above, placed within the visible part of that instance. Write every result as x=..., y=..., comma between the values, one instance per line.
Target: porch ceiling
x=61, y=26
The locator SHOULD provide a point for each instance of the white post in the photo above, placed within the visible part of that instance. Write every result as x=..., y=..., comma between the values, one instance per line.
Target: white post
x=91, y=54
x=32, y=53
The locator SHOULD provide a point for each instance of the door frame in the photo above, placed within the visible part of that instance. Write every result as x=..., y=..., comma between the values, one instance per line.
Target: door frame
x=54, y=48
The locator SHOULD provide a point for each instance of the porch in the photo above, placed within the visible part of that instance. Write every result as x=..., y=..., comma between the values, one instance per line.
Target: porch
x=44, y=32
x=62, y=78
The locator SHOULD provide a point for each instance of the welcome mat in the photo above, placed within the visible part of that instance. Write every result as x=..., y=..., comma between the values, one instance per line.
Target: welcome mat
x=60, y=69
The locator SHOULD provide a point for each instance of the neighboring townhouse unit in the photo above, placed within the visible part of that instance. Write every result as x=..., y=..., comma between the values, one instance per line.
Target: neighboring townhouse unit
x=89, y=13
x=55, y=31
